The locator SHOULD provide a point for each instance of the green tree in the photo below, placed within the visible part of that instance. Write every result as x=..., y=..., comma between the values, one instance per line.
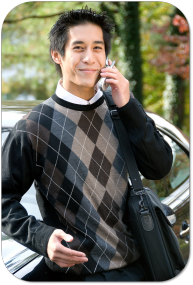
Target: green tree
x=181, y=83
x=27, y=69
x=173, y=58
x=155, y=82
x=131, y=41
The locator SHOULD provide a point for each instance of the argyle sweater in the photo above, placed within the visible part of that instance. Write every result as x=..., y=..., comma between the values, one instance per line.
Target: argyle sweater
x=73, y=155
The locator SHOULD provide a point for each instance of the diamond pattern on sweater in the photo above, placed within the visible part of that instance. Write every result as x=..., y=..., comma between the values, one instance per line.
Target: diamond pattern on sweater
x=84, y=177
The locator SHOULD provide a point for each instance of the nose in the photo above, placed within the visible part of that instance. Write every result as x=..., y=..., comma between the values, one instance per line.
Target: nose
x=88, y=57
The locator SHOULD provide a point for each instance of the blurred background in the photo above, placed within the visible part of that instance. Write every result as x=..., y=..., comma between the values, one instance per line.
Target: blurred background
x=150, y=47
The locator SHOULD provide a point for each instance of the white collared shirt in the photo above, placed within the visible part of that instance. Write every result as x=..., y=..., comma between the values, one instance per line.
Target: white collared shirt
x=67, y=96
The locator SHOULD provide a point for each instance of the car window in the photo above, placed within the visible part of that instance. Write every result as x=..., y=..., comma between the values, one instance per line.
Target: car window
x=182, y=216
x=177, y=175
x=4, y=134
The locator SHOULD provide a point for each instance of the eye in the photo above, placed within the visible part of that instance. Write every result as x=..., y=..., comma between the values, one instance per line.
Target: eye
x=97, y=47
x=78, y=47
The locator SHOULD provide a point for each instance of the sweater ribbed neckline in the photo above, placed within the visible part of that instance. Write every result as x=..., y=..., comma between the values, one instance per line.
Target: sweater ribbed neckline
x=78, y=107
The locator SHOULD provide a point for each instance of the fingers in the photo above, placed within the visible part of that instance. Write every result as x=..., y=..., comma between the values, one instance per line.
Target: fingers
x=54, y=244
x=109, y=75
x=56, y=249
x=61, y=255
x=110, y=62
x=110, y=72
x=67, y=258
x=110, y=69
x=70, y=259
x=58, y=257
x=70, y=252
x=111, y=80
x=62, y=235
x=62, y=264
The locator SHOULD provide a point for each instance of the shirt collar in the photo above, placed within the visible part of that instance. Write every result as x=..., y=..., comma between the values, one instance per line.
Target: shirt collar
x=67, y=96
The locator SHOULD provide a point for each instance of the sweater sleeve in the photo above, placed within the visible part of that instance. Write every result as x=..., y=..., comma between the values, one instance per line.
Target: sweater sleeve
x=152, y=153
x=18, y=173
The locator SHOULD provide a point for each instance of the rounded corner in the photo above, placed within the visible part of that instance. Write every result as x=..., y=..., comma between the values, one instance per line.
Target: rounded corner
x=5, y=272
x=10, y=9
x=180, y=9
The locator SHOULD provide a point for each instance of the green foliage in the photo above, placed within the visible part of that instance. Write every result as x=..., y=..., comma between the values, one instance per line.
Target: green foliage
x=25, y=48
x=131, y=39
x=27, y=68
x=152, y=13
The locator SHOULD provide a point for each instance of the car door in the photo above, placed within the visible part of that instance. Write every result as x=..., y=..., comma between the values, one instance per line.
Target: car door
x=173, y=190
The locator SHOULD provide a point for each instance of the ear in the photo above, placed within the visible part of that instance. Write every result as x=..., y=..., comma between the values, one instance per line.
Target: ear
x=56, y=56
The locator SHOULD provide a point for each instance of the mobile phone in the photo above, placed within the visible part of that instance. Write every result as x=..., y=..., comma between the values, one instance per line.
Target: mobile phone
x=102, y=84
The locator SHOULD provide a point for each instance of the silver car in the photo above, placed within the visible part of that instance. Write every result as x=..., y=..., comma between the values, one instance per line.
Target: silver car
x=173, y=190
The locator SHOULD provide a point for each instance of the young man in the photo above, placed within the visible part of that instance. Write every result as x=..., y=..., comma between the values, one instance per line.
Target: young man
x=69, y=147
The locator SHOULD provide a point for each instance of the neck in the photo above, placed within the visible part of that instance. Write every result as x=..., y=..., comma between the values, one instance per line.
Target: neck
x=83, y=92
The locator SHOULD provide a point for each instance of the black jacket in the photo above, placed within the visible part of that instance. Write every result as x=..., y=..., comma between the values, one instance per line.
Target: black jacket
x=153, y=156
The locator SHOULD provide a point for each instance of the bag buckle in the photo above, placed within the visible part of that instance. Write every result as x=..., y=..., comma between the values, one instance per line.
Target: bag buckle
x=142, y=204
x=114, y=114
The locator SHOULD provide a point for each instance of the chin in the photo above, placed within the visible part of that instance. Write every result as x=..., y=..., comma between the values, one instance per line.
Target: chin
x=87, y=84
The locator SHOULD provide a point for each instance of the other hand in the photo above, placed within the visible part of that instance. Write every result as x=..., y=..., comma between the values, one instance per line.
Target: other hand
x=61, y=255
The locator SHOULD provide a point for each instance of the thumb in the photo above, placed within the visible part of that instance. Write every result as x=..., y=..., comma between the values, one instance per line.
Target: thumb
x=62, y=235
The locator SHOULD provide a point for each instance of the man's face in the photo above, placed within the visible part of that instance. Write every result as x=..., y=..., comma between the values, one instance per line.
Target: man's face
x=84, y=57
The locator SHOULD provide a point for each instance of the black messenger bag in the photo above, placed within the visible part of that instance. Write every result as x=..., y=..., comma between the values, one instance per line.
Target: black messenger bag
x=152, y=230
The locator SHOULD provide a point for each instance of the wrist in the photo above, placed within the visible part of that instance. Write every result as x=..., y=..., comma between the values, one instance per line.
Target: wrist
x=122, y=103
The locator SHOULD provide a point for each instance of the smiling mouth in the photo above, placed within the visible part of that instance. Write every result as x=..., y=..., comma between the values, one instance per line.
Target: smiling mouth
x=88, y=70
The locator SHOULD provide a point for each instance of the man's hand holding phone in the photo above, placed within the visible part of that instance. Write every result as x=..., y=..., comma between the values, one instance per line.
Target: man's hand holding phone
x=119, y=84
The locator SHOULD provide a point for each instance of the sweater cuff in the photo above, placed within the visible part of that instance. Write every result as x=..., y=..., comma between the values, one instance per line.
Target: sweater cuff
x=132, y=113
x=41, y=238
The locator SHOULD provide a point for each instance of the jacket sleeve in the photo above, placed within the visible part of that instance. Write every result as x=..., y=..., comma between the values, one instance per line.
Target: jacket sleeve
x=152, y=153
x=18, y=174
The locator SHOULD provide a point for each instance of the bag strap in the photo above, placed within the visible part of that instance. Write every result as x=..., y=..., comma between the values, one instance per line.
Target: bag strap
x=124, y=142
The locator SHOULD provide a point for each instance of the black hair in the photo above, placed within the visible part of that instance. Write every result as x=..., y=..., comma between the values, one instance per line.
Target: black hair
x=58, y=35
